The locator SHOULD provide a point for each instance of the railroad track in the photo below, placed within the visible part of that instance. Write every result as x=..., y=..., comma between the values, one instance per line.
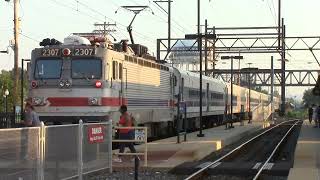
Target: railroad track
x=242, y=153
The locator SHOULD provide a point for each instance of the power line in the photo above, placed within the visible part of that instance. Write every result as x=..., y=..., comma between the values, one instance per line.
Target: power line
x=74, y=9
x=101, y=14
x=272, y=12
x=175, y=23
x=274, y=9
x=27, y=36
x=144, y=37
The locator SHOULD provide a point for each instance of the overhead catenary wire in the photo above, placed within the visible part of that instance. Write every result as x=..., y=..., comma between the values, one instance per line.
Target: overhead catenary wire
x=143, y=37
x=75, y=9
x=272, y=11
x=106, y=17
x=175, y=23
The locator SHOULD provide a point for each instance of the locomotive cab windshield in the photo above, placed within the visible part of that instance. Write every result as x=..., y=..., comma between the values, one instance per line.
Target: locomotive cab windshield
x=86, y=68
x=48, y=68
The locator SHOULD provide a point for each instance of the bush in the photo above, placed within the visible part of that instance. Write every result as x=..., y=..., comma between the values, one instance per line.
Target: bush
x=299, y=114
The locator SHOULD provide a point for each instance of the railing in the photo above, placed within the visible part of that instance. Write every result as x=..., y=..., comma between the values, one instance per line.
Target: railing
x=9, y=120
x=55, y=152
x=141, y=134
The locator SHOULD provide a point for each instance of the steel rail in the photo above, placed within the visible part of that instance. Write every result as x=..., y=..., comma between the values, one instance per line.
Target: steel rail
x=274, y=151
x=194, y=175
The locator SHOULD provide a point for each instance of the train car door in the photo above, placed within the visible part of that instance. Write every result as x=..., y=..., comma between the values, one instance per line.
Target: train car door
x=123, y=83
x=207, y=97
x=182, y=89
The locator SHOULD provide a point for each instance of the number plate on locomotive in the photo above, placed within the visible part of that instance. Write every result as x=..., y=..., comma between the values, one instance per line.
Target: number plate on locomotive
x=84, y=52
x=48, y=52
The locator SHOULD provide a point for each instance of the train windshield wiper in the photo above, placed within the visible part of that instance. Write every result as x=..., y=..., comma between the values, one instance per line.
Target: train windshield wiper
x=85, y=76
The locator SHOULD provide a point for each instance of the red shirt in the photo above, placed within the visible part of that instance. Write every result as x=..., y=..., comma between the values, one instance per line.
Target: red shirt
x=125, y=121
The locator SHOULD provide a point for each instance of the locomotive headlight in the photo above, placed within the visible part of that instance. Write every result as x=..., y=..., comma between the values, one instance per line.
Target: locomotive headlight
x=94, y=101
x=67, y=84
x=61, y=84
x=37, y=101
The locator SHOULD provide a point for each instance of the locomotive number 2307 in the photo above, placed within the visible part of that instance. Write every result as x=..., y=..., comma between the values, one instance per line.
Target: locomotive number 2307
x=83, y=52
x=50, y=52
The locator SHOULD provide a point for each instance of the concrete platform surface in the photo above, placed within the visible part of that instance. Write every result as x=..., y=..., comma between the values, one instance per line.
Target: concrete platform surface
x=307, y=154
x=166, y=153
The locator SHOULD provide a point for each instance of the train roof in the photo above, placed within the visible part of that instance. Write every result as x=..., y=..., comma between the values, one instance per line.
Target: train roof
x=197, y=75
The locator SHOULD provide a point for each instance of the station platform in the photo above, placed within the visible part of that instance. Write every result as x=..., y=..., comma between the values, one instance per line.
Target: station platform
x=166, y=153
x=307, y=154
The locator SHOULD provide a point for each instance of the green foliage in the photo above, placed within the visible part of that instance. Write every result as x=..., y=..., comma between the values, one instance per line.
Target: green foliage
x=258, y=89
x=299, y=114
x=308, y=98
x=7, y=82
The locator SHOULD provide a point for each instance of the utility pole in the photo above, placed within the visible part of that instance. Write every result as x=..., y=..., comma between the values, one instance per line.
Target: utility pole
x=104, y=26
x=16, y=52
x=105, y=30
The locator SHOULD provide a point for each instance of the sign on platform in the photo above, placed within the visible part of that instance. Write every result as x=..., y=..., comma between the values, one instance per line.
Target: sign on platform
x=95, y=134
x=139, y=135
x=182, y=106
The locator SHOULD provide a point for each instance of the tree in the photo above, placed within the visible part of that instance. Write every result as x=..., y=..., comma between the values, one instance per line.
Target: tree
x=259, y=89
x=6, y=82
x=308, y=98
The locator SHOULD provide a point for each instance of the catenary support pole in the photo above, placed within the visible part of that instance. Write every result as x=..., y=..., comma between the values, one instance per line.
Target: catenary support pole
x=231, y=96
x=205, y=48
x=169, y=29
x=200, y=63
x=272, y=76
x=283, y=68
x=249, y=79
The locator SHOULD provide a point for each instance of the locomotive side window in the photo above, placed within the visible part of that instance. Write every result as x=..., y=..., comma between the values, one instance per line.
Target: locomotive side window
x=86, y=69
x=130, y=59
x=115, y=70
x=215, y=95
x=174, y=80
x=120, y=70
x=48, y=69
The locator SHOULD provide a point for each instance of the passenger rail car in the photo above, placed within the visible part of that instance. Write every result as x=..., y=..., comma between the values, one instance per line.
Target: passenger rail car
x=89, y=79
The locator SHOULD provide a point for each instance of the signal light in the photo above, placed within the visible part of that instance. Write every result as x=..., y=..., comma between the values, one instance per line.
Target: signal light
x=66, y=52
x=98, y=84
x=34, y=84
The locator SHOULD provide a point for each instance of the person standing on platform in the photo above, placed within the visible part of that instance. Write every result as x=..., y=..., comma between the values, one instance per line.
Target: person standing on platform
x=125, y=134
x=310, y=112
x=315, y=115
x=318, y=117
x=31, y=117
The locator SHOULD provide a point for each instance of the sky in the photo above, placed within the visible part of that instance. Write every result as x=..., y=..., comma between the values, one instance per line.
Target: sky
x=57, y=19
